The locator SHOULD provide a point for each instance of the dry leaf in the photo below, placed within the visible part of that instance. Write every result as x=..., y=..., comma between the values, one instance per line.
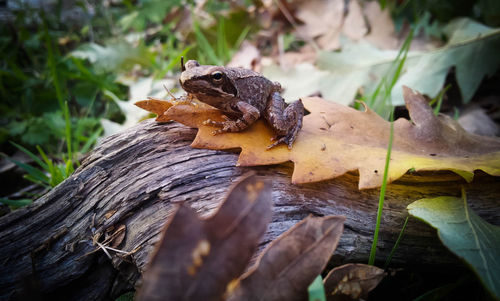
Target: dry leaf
x=156, y=106
x=322, y=19
x=197, y=258
x=247, y=57
x=477, y=121
x=292, y=261
x=336, y=139
x=352, y=281
x=382, y=33
x=355, y=26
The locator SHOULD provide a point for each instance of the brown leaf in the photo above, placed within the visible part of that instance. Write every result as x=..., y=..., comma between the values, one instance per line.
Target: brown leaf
x=157, y=106
x=322, y=19
x=292, y=261
x=355, y=26
x=382, y=33
x=247, y=57
x=336, y=139
x=197, y=258
x=352, y=281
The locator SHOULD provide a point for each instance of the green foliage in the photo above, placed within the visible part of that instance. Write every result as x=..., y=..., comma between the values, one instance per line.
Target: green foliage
x=47, y=97
x=316, y=290
x=60, y=76
x=398, y=240
x=373, y=250
x=485, y=11
x=438, y=100
x=148, y=12
x=380, y=99
x=464, y=233
x=51, y=173
x=217, y=44
x=15, y=204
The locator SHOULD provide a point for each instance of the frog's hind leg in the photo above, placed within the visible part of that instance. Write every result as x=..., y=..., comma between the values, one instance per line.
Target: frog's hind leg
x=285, y=120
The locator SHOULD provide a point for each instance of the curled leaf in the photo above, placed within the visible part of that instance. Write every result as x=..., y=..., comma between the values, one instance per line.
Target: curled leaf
x=197, y=258
x=352, y=281
x=292, y=261
x=156, y=106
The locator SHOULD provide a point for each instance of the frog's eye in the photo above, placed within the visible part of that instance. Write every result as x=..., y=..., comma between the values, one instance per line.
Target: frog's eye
x=217, y=76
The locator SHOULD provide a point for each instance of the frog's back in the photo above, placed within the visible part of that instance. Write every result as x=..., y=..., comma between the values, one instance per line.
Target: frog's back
x=252, y=86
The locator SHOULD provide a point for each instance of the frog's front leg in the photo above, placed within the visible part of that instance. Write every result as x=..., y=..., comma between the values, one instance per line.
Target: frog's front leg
x=250, y=115
x=285, y=120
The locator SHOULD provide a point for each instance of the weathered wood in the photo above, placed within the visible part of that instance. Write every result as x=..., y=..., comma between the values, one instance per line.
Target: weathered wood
x=136, y=177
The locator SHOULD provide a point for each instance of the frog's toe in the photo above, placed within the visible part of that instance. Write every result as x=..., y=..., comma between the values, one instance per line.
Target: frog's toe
x=278, y=141
x=211, y=122
x=219, y=131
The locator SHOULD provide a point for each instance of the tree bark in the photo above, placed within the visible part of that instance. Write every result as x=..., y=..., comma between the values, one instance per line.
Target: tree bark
x=133, y=180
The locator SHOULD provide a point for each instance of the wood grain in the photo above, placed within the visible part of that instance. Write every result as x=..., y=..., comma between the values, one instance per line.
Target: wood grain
x=135, y=178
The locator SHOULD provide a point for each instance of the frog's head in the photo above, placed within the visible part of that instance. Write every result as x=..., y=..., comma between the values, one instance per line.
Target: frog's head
x=210, y=84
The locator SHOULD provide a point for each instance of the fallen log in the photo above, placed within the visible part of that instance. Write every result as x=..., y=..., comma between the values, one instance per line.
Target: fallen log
x=126, y=189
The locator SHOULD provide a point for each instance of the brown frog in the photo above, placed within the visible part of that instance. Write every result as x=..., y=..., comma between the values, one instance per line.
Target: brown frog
x=244, y=96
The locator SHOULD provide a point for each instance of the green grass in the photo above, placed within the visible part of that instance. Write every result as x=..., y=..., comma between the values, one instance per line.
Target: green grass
x=373, y=249
x=49, y=174
x=53, y=100
x=223, y=50
x=438, y=100
x=316, y=290
x=395, y=247
x=380, y=102
x=380, y=99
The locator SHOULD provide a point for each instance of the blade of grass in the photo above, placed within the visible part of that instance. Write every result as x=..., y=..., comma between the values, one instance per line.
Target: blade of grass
x=68, y=170
x=44, y=156
x=204, y=45
x=456, y=113
x=92, y=139
x=37, y=181
x=51, y=60
x=373, y=250
x=68, y=131
x=439, y=99
x=175, y=62
x=32, y=171
x=316, y=290
x=242, y=37
x=51, y=170
x=16, y=203
x=31, y=155
x=222, y=48
x=401, y=233
x=379, y=102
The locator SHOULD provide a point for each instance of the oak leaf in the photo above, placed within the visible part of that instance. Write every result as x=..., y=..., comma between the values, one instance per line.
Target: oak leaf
x=336, y=139
x=465, y=234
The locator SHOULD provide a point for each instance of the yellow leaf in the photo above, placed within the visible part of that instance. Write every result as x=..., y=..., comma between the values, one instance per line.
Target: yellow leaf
x=336, y=139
